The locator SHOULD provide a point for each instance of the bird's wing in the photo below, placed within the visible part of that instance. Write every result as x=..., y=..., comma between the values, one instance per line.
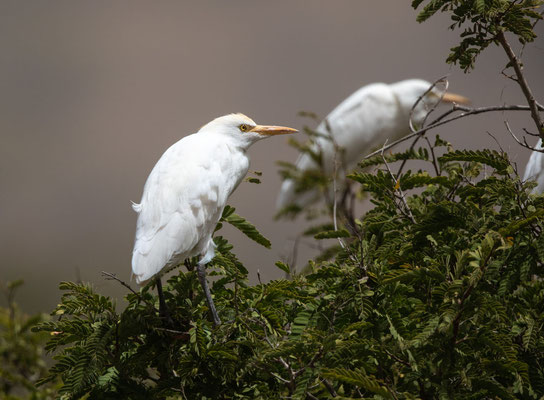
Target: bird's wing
x=365, y=120
x=182, y=200
x=361, y=122
x=535, y=169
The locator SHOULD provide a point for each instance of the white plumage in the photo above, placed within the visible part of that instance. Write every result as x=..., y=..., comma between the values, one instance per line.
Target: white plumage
x=187, y=190
x=363, y=122
x=535, y=169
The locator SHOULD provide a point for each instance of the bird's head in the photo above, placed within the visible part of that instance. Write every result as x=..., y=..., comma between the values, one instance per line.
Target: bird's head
x=409, y=91
x=242, y=130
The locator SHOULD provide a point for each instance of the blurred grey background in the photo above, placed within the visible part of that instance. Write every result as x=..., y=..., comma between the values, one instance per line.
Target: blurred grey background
x=92, y=93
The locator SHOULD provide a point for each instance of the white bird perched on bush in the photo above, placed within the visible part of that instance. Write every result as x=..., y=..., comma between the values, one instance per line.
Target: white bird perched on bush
x=364, y=121
x=186, y=192
x=535, y=169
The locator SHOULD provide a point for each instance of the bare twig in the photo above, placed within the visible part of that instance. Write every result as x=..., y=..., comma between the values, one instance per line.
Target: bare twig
x=530, y=133
x=522, y=82
x=335, y=192
x=398, y=359
x=407, y=211
x=279, y=377
x=412, y=146
x=311, y=364
x=330, y=388
x=172, y=331
x=334, y=176
x=524, y=143
x=294, y=255
x=336, y=164
x=496, y=141
x=467, y=111
x=109, y=276
x=435, y=163
x=422, y=97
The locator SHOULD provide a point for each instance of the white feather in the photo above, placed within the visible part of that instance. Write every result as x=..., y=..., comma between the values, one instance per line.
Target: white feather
x=535, y=168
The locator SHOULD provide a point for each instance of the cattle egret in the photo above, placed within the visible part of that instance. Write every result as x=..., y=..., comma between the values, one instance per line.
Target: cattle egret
x=535, y=169
x=365, y=120
x=185, y=194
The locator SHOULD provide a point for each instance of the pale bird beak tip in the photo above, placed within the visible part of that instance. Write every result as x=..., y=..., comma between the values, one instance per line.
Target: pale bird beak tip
x=269, y=130
x=455, y=98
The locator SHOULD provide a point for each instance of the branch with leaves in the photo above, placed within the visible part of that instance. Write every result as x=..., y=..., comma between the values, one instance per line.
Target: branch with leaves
x=486, y=22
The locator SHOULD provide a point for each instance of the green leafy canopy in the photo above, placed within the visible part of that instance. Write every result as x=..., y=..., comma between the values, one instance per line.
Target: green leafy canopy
x=481, y=21
x=450, y=304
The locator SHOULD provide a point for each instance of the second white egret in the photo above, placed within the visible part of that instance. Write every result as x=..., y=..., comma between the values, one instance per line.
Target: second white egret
x=365, y=120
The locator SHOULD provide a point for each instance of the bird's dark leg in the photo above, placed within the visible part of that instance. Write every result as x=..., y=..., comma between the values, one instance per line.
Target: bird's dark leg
x=202, y=278
x=163, y=310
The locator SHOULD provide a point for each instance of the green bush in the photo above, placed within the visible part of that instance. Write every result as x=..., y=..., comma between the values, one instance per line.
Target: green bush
x=21, y=351
x=440, y=296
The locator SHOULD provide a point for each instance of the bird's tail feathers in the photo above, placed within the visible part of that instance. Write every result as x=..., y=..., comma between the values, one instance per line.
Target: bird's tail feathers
x=142, y=268
x=287, y=194
x=136, y=207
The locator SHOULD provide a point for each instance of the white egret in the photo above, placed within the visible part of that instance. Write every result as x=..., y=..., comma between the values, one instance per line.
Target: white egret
x=185, y=194
x=535, y=169
x=364, y=121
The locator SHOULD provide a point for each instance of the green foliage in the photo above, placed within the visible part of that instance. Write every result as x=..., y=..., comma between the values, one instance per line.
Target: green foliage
x=332, y=234
x=481, y=21
x=440, y=296
x=310, y=182
x=21, y=351
x=244, y=226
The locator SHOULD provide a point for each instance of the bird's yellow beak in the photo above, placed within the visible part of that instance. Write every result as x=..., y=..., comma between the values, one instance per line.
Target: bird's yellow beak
x=455, y=98
x=269, y=130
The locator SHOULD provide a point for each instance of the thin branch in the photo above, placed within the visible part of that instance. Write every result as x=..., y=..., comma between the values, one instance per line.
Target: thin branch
x=435, y=163
x=275, y=375
x=467, y=111
x=420, y=100
x=524, y=143
x=311, y=364
x=109, y=276
x=408, y=211
x=330, y=388
x=530, y=133
x=496, y=141
x=171, y=331
x=335, y=173
x=412, y=146
x=336, y=164
x=522, y=82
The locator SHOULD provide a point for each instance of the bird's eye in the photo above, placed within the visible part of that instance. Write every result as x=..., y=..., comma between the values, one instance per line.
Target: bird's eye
x=244, y=128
